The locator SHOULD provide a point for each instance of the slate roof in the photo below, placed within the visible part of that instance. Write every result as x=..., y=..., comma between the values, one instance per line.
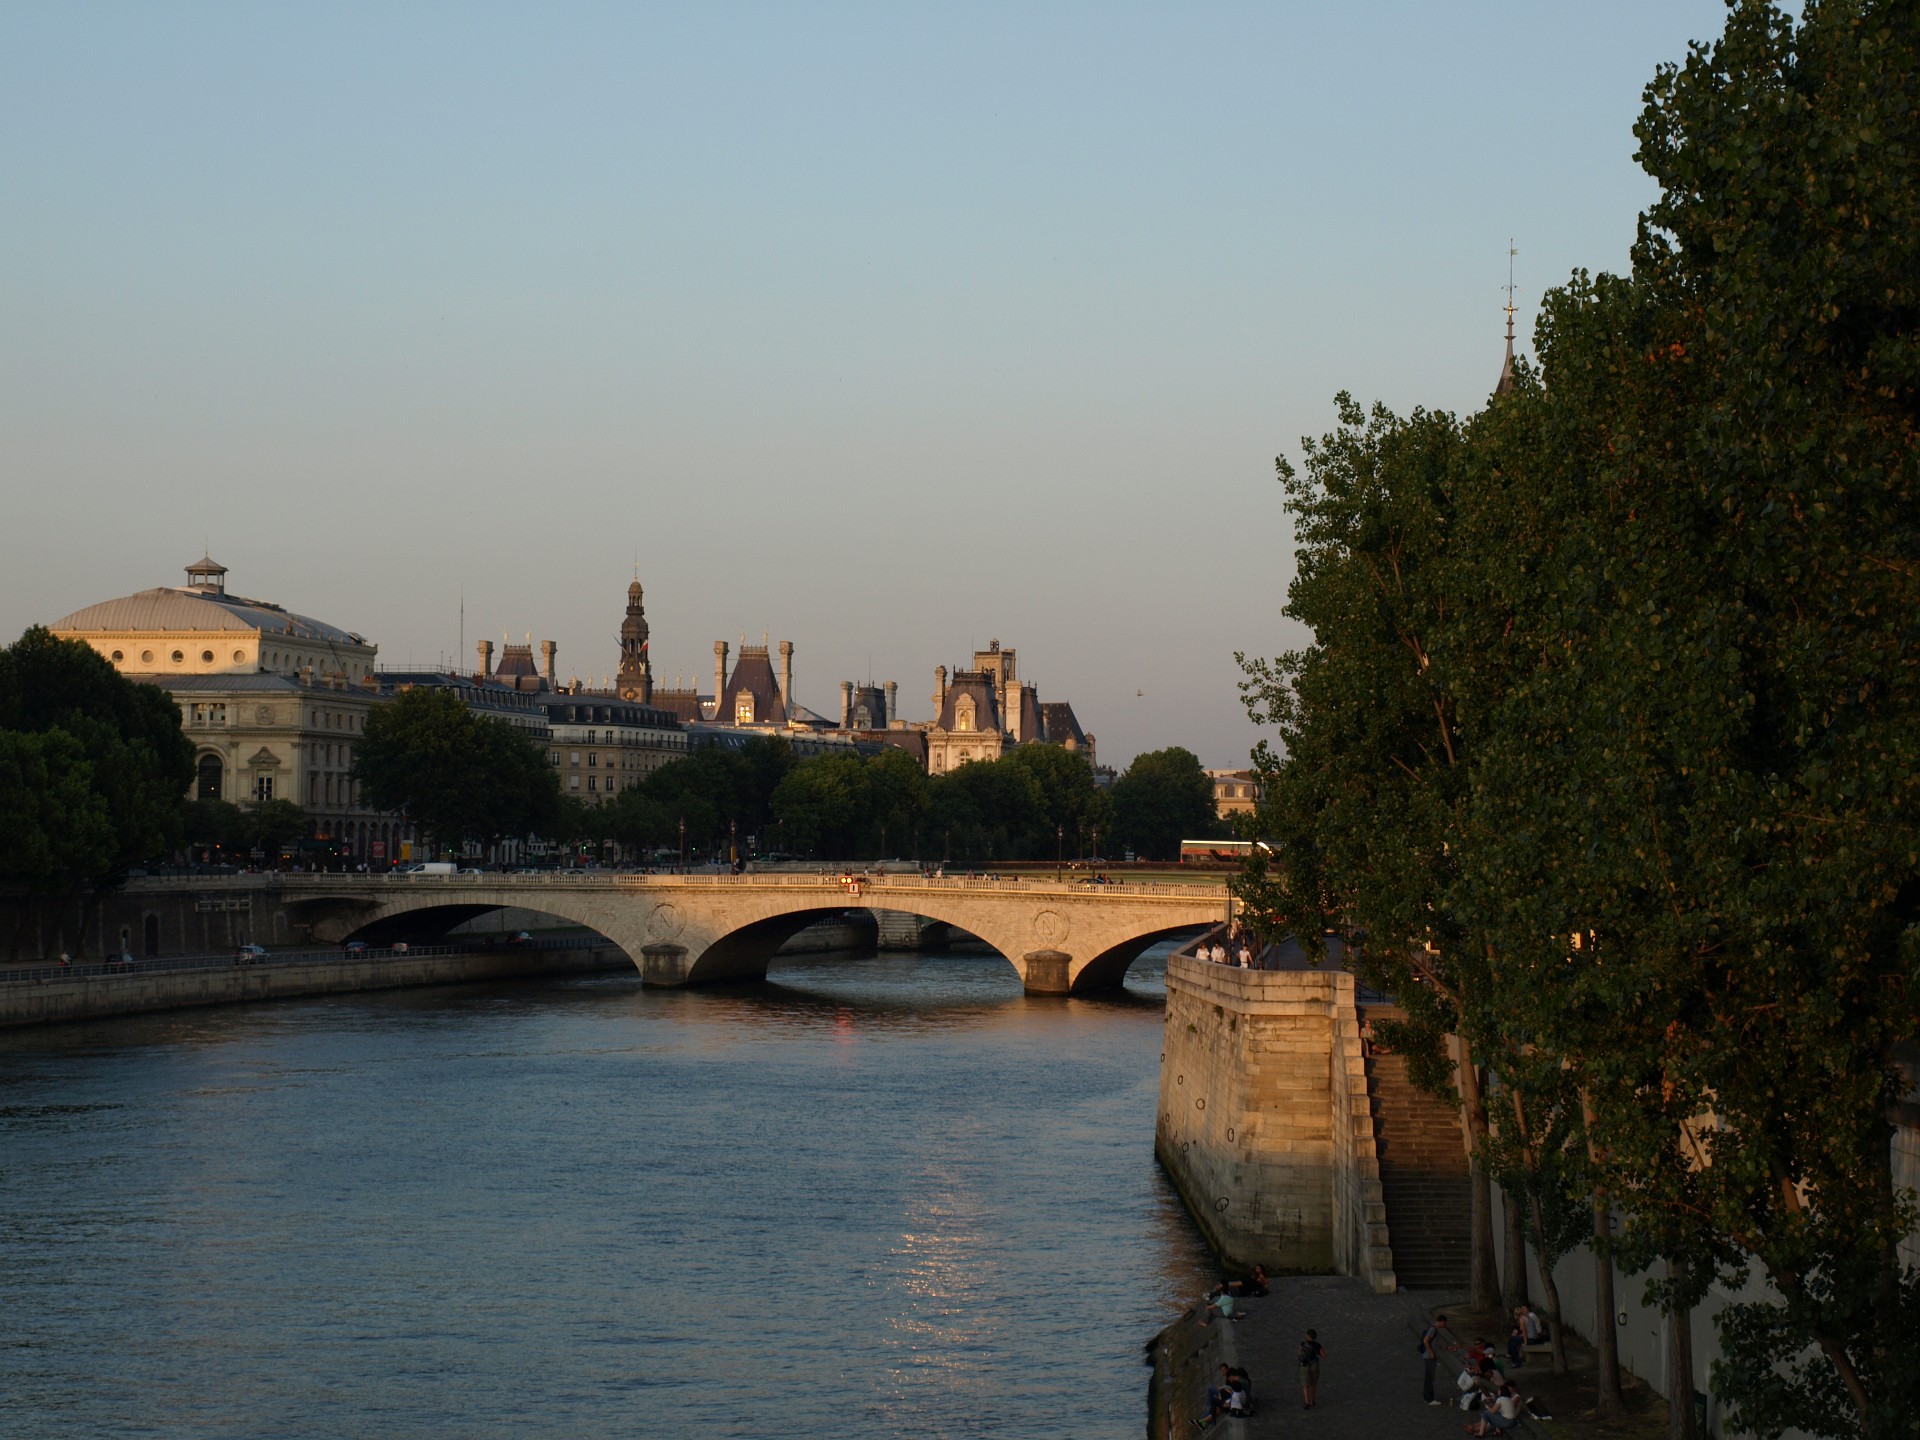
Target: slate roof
x=753, y=673
x=170, y=607
x=1060, y=724
x=986, y=704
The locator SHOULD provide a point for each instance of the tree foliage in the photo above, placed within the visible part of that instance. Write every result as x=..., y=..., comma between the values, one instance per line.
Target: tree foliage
x=1610, y=724
x=1162, y=798
x=95, y=766
x=458, y=776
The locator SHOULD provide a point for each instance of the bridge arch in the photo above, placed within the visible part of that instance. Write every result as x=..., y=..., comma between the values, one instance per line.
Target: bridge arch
x=698, y=930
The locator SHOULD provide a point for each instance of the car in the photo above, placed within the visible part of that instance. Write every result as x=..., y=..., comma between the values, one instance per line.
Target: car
x=520, y=937
x=354, y=947
x=249, y=954
x=399, y=947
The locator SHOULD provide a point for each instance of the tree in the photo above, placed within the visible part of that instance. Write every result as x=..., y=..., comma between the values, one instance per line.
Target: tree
x=1696, y=809
x=57, y=831
x=137, y=761
x=1070, y=803
x=1162, y=798
x=459, y=776
x=824, y=805
x=272, y=824
x=987, y=810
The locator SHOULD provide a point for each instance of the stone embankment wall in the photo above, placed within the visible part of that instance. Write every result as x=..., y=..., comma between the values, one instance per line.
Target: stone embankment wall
x=1264, y=1121
x=96, y=996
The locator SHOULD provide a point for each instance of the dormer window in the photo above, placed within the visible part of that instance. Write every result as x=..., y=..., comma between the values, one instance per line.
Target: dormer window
x=743, y=708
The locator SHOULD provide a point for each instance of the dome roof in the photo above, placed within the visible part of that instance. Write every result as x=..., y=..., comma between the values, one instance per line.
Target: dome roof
x=171, y=608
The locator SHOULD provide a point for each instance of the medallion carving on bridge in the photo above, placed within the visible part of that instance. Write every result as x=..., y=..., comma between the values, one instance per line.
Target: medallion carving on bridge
x=665, y=922
x=1049, y=927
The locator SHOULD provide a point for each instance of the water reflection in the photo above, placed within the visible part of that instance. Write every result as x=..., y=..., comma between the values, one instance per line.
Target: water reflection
x=844, y=1201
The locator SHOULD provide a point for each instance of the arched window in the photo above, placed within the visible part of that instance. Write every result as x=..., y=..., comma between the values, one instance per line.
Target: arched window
x=743, y=708
x=209, y=785
x=963, y=713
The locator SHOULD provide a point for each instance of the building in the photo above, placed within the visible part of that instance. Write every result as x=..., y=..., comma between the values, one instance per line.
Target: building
x=982, y=712
x=272, y=701
x=602, y=744
x=1235, y=792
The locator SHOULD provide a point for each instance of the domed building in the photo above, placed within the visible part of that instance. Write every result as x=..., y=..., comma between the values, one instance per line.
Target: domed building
x=273, y=701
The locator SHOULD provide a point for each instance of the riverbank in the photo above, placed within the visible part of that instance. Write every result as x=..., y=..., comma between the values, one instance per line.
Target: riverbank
x=58, y=999
x=1370, y=1380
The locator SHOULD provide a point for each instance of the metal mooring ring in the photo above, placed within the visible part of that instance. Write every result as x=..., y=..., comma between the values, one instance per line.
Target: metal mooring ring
x=1199, y=1102
x=1221, y=1204
x=1183, y=1147
x=1229, y=1134
x=1179, y=1079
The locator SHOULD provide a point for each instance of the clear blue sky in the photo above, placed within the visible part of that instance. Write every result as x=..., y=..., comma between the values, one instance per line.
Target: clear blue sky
x=886, y=328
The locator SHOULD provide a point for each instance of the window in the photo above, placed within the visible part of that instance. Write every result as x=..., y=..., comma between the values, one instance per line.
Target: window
x=178, y=657
x=593, y=782
x=239, y=655
x=208, y=786
x=217, y=713
x=554, y=757
x=146, y=657
x=206, y=657
x=573, y=757
x=573, y=782
x=118, y=656
x=263, y=787
x=610, y=782
x=963, y=713
x=743, y=709
x=593, y=759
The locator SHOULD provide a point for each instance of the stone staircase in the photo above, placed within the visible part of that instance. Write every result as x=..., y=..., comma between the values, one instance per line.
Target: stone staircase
x=1423, y=1177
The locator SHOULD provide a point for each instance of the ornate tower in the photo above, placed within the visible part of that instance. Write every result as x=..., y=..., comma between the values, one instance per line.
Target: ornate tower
x=635, y=680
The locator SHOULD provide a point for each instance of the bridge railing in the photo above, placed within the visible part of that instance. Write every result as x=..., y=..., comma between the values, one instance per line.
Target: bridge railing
x=785, y=880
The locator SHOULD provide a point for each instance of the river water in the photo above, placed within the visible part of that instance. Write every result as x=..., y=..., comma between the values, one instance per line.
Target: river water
x=876, y=1196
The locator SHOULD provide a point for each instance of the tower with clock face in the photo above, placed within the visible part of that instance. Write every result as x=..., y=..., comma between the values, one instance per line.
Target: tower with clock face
x=635, y=680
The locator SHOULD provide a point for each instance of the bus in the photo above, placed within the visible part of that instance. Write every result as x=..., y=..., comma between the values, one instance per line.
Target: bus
x=1219, y=852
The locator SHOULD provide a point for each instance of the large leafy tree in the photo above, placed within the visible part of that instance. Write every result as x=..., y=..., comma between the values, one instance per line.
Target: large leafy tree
x=1695, y=827
x=459, y=776
x=1162, y=798
x=986, y=811
x=1071, y=804
x=128, y=754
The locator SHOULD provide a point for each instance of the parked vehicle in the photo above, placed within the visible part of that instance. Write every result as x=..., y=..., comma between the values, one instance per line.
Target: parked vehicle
x=520, y=937
x=249, y=954
x=354, y=947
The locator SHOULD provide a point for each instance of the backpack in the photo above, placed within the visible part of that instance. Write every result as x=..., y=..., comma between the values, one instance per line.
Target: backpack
x=1306, y=1352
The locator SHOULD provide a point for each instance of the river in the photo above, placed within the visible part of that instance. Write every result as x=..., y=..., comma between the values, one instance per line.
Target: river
x=875, y=1196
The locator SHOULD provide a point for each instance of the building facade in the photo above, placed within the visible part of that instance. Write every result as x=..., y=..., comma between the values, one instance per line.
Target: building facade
x=982, y=712
x=600, y=745
x=273, y=702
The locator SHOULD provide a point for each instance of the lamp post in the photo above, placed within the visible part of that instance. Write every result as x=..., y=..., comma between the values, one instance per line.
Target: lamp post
x=683, y=844
x=1096, y=844
x=733, y=845
x=1059, y=853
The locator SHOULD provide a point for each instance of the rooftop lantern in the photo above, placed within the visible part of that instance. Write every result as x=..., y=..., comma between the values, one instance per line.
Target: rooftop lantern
x=206, y=573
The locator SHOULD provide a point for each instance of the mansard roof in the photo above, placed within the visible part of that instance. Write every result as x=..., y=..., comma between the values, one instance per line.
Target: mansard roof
x=986, y=701
x=753, y=673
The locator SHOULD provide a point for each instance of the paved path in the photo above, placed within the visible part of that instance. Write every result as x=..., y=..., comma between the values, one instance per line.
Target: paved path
x=1370, y=1380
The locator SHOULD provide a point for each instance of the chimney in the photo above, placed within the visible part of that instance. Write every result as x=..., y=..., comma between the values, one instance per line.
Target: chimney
x=786, y=676
x=485, y=647
x=846, y=704
x=893, y=690
x=548, y=649
x=719, y=676
x=939, y=692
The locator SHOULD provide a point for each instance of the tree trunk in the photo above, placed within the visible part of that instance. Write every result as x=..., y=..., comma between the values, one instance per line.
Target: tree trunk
x=1606, y=1333
x=1550, y=1292
x=1513, y=1277
x=1483, y=1277
x=1680, y=1416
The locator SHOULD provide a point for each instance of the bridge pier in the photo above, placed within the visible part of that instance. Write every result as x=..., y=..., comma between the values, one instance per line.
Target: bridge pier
x=1048, y=972
x=665, y=966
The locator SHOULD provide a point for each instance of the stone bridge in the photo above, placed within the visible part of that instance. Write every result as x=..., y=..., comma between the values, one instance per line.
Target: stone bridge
x=703, y=929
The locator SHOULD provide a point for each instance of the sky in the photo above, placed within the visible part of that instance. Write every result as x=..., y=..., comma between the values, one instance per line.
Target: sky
x=885, y=329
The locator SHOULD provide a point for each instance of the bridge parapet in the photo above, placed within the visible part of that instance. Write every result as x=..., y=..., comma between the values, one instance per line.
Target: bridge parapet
x=697, y=929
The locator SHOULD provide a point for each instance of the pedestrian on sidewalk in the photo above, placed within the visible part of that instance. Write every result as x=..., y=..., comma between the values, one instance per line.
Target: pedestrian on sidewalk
x=1430, y=1357
x=1311, y=1353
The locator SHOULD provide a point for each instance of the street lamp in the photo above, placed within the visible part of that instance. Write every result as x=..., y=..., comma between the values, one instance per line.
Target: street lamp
x=683, y=844
x=1096, y=844
x=1059, y=853
x=733, y=845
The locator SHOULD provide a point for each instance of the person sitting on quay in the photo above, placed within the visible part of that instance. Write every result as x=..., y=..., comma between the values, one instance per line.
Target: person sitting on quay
x=1232, y=1399
x=1501, y=1416
x=1254, y=1286
x=1220, y=1302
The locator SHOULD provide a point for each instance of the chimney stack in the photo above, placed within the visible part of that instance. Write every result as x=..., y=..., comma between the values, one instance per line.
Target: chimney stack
x=939, y=691
x=548, y=649
x=846, y=704
x=485, y=647
x=893, y=690
x=719, y=678
x=786, y=676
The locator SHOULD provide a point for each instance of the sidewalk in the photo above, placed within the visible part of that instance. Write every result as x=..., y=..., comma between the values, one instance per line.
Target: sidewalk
x=1370, y=1379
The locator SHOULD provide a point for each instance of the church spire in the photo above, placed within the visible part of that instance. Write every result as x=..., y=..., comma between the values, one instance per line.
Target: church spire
x=1505, y=385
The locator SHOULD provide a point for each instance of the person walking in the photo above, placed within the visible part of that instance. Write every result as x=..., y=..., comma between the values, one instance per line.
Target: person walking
x=1311, y=1353
x=1430, y=1358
